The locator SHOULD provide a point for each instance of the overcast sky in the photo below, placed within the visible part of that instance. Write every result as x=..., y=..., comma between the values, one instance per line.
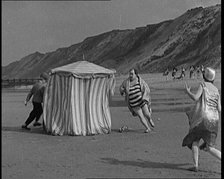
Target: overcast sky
x=44, y=26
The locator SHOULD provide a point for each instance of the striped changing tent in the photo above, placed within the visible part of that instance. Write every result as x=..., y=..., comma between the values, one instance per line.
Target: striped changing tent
x=78, y=103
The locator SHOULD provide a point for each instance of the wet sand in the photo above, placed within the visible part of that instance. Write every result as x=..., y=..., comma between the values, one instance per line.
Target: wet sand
x=133, y=154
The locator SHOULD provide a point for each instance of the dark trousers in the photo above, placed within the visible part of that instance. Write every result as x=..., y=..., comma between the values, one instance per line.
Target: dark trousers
x=35, y=113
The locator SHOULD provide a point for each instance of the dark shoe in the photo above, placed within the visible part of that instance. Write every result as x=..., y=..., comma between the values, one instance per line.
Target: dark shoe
x=25, y=127
x=193, y=169
x=120, y=130
x=123, y=129
x=37, y=124
x=203, y=146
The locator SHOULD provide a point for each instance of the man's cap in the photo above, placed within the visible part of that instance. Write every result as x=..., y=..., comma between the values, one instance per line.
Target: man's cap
x=44, y=76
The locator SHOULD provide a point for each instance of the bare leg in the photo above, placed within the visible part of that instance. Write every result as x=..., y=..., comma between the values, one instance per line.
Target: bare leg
x=147, y=114
x=214, y=152
x=142, y=119
x=195, y=153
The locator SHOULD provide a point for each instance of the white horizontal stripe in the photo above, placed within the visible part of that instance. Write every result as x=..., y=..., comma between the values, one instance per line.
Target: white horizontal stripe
x=135, y=94
x=134, y=100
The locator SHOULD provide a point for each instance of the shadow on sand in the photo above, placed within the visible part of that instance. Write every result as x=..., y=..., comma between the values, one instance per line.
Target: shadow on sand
x=36, y=130
x=144, y=164
x=151, y=164
x=40, y=130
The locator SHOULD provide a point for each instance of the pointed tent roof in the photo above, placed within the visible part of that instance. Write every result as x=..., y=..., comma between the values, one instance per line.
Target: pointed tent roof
x=83, y=68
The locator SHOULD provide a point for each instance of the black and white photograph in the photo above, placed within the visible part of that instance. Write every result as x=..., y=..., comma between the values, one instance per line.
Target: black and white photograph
x=111, y=89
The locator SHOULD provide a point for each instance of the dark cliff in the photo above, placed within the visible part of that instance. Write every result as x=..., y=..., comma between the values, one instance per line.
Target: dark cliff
x=194, y=38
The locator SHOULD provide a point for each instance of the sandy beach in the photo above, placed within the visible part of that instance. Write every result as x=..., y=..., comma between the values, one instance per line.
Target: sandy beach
x=133, y=154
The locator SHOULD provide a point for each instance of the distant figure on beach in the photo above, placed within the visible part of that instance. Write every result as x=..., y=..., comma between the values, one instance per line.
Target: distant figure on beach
x=37, y=93
x=203, y=118
x=202, y=69
x=174, y=73
x=191, y=72
x=166, y=73
x=198, y=70
x=182, y=75
x=137, y=96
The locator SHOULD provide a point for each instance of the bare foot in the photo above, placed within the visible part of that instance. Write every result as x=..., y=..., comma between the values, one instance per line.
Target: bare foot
x=147, y=130
x=194, y=169
x=151, y=123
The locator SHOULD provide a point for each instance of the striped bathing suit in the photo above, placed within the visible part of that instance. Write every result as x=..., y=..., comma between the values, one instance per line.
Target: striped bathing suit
x=135, y=95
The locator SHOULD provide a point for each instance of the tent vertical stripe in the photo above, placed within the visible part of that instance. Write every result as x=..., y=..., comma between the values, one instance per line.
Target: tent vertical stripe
x=47, y=103
x=59, y=120
x=105, y=106
x=78, y=110
x=82, y=107
x=97, y=107
x=94, y=105
x=75, y=109
x=91, y=103
x=53, y=115
x=77, y=106
x=54, y=101
x=102, y=119
x=66, y=109
x=48, y=106
x=87, y=110
x=67, y=105
x=110, y=86
x=76, y=124
x=57, y=108
x=47, y=95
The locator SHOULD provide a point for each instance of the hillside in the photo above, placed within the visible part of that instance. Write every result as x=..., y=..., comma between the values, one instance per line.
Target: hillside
x=193, y=38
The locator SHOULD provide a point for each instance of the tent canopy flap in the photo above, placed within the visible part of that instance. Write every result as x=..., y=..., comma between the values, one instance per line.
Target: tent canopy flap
x=83, y=68
x=74, y=105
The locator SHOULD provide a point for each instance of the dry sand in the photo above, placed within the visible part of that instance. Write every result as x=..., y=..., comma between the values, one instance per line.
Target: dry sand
x=133, y=154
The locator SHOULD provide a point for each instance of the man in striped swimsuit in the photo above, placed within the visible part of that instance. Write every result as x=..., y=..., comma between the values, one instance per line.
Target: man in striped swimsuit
x=137, y=95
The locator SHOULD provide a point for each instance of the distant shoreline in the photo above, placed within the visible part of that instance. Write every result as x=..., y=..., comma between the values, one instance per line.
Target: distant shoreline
x=16, y=88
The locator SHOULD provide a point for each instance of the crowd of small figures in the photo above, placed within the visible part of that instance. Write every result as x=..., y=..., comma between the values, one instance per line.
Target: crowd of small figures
x=193, y=71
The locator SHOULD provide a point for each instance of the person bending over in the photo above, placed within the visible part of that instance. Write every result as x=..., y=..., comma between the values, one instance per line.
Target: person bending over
x=37, y=93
